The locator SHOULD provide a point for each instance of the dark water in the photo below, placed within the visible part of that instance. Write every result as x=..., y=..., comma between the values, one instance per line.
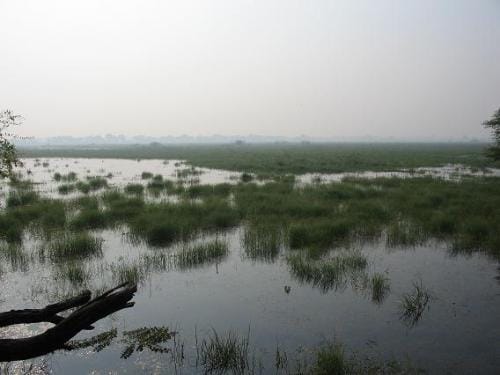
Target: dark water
x=458, y=333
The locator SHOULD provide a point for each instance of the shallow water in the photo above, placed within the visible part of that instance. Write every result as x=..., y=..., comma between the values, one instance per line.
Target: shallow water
x=458, y=333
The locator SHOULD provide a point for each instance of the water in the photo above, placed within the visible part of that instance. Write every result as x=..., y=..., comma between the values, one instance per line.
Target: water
x=458, y=333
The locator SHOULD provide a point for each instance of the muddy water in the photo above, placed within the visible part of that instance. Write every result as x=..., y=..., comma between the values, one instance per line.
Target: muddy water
x=458, y=332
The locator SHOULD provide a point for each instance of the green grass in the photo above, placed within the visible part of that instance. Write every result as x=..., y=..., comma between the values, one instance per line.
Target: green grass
x=70, y=177
x=130, y=273
x=92, y=218
x=262, y=241
x=73, y=272
x=330, y=273
x=136, y=189
x=83, y=187
x=413, y=304
x=15, y=256
x=23, y=197
x=227, y=353
x=96, y=183
x=380, y=287
x=66, y=188
x=200, y=254
x=292, y=158
x=74, y=247
x=160, y=225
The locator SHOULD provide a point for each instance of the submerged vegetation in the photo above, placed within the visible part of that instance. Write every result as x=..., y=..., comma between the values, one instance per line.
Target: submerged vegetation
x=414, y=304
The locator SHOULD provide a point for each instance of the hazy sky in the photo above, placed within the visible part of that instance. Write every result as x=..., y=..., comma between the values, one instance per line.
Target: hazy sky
x=322, y=68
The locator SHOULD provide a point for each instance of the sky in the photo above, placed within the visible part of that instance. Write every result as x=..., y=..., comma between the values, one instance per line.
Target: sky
x=408, y=69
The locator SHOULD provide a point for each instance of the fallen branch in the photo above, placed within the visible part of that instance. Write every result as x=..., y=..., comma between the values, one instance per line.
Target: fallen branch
x=88, y=312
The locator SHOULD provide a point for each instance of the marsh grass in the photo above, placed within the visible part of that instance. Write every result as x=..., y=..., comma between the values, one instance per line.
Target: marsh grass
x=262, y=241
x=332, y=360
x=83, y=187
x=74, y=246
x=160, y=225
x=127, y=272
x=187, y=172
x=97, y=183
x=15, y=256
x=146, y=175
x=136, y=189
x=413, y=304
x=74, y=272
x=201, y=254
x=70, y=177
x=405, y=234
x=331, y=273
x=66, y=188
x=89, y=218
x=227, y=353
x=380, y=287
x=321, y=233
x=22, y=197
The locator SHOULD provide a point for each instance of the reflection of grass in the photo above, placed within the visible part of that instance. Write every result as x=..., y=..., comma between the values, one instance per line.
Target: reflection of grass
x=414, y=304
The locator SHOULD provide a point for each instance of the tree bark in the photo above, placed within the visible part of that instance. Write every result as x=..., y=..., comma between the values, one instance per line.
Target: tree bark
x=65, y=329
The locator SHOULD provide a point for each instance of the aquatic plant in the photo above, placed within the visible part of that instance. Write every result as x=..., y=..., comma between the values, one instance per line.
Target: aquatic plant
x=22, y=197
x=246, y=177
x=332, y=360
x=136, y=189
x=89, y=218
x=149, y=338
x=207, y=252
x=66, y=188
x=72, y=271
x=96, y=183
x=380, y=287
x=220, y=354
x=414, y=304
x=146, y=175
x=262, y=241
x=83, y=187
x=127, y=272
x=97, y=342
x=73, y=246
x=331, y=273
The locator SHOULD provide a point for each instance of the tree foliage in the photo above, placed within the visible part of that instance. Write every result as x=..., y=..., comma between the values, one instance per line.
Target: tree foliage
x=494, y=125
x=8, y=156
